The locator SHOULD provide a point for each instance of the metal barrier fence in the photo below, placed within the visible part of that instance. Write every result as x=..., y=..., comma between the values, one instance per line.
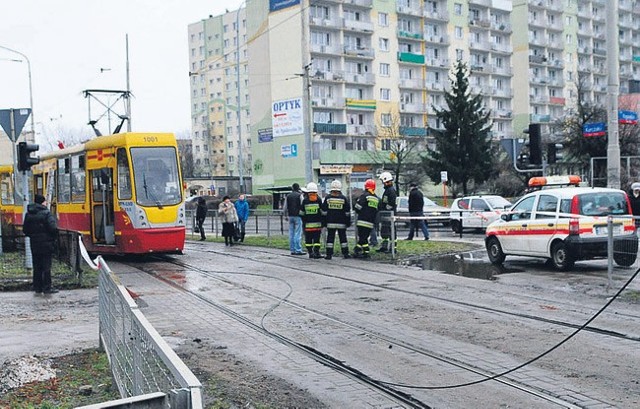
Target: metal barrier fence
x=141, y=361
x=260, y=222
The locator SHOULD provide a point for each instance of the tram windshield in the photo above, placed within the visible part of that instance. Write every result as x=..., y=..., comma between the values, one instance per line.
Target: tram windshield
x=156, y=177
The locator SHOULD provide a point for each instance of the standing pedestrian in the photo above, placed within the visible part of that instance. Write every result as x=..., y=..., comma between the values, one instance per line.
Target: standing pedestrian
x=311, y=213
x=366, y=208
x=201, y=216
x=291, y=211
x=41, y=228
x=337, y=210
x=229, y=218
x=634, y=199
x=242, y=208
x=416, y=209
x=388, y=205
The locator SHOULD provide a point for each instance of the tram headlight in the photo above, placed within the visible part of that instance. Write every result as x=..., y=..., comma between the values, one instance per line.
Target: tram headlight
x=142, y=218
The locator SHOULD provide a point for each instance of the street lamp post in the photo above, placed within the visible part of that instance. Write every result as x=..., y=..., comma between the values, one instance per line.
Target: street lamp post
x=33, y=126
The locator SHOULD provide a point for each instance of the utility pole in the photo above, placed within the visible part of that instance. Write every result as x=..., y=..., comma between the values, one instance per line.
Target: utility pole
x=128, y=94
x=239, y=103
x=613, y=59
x=308, y=161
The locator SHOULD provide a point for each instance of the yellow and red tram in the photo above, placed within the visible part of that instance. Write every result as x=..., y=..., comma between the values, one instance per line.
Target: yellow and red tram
x=122, y=192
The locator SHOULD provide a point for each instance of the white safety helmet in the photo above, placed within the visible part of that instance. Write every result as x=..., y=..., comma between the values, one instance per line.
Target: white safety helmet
x=336, y=185
x=635, y=186
x=386, y=177
x=312, y=187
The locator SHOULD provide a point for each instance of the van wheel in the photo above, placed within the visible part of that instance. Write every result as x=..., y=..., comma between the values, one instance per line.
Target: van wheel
x=560, y=257
x=456, y=226
x=624, y=260
x=494, y=251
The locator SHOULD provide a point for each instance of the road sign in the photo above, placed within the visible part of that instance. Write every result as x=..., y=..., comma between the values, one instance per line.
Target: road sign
x=289, y=151
x=20, y=116
x=287, y=117
x=512, y=146
x=594, y=129
x=443, y=176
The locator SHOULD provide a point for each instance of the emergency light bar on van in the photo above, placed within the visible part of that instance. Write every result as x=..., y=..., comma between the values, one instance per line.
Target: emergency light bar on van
x=540, y=181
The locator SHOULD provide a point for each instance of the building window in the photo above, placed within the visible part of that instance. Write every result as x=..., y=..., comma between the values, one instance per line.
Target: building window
x=458, y=31
x=384, y=44
x=385, y=94
x=384, y=69
x=457, y=9
x=383, y=19
x=385, y=119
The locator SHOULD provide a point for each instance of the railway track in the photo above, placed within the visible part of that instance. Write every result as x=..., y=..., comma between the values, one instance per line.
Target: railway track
x=387, y=388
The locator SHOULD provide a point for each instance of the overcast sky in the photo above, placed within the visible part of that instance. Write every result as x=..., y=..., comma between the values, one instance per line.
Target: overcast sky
x=69, y=41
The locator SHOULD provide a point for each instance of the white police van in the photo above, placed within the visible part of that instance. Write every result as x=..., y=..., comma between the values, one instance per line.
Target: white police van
x=565, y=225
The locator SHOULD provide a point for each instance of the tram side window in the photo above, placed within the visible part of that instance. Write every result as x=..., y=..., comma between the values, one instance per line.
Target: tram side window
x=124, y=175
x=64, y=180
x=78, y=179
x=6, y=188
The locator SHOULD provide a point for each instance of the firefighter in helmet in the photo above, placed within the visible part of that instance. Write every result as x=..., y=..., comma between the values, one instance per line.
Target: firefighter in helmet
x=367, y=209
x=387, y=205
x=337, y=211
x=311, y=214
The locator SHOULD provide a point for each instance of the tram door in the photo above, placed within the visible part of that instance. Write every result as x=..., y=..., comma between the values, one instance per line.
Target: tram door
x=102, y=206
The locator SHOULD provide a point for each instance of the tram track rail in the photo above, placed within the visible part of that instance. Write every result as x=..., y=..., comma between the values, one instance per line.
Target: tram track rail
x=485, y=308
x=339, y=366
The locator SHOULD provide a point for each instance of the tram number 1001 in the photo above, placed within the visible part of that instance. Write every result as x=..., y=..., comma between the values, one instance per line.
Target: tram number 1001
x=150, y=139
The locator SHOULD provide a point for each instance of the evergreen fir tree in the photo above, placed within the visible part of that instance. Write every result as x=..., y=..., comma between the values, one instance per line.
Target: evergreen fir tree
x=463, y=148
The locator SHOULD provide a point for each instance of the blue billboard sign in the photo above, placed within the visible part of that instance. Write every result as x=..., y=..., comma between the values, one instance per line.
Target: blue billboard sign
x=275, y=5
x=594, y=129
x=627, y=117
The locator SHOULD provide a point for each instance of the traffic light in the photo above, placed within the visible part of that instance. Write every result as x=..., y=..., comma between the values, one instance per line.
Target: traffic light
x=554, y=152
x=25, y=160
x=535, y=144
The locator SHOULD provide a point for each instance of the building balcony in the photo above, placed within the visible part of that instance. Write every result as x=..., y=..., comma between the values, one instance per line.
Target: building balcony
x=411, y=58
x=437, y=62
x=413, y=83
x=557, y=101
x=409, y=10
x=332, y=129
x=325, y=49
x=360, y=129
x=328, y=103
x=504, y=113
x=330, y=76
x=506, y=27
x=359, y=3
x=435, y=86
x=537, y=59
x=479, y=22
x=368, y=79
x=409, y=35
x=501, y=48
x=502, y=70
x=354, y=25
x=600, y=51
x=363, y=52
x=539, y=118
x=433, y=15
x=502, y=92
x=539, y=99
x=436, y=39
x=412, y=108
x=485, y=3
x=368, y=104
x=413, y=131
x=324, y=22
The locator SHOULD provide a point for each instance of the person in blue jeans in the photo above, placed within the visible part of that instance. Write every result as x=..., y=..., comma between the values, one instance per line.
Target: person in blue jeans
x=291, y=211
x=242, y=208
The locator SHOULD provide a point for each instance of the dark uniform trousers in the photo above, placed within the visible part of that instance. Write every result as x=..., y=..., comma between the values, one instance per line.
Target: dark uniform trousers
x=342, y=236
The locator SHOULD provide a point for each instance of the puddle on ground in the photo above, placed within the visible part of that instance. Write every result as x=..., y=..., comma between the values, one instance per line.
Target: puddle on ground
x=472, y=264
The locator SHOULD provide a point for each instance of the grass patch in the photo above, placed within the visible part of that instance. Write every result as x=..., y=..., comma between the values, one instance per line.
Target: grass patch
x=84, y=369
x=405, y=249
x=14, y=276
x=632, y=296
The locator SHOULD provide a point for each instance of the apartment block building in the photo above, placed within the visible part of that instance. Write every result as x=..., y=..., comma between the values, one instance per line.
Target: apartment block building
x=346, y=69
x=219, y=95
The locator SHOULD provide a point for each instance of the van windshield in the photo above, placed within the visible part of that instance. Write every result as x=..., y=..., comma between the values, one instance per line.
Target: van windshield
x=602, y=204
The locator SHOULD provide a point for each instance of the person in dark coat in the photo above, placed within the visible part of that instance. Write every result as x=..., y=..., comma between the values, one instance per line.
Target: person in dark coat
x=201, y=215
x=634, y=199
x=416, y=209
x=41, y=228
x=291, y=211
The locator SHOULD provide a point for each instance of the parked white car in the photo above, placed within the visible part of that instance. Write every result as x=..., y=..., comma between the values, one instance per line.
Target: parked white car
x=477, y=212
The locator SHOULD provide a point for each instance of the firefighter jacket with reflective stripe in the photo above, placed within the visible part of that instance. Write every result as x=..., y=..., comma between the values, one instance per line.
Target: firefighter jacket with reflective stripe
x=337, y=211
x=311, y=213
x=367, y=209
x=388, y=201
